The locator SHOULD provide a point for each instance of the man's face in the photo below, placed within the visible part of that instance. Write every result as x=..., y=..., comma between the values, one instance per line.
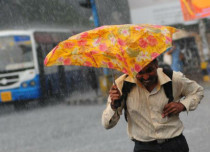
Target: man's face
x=148, y=75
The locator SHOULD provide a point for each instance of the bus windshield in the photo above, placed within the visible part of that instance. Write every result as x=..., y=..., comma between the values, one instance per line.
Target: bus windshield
x=15, y=53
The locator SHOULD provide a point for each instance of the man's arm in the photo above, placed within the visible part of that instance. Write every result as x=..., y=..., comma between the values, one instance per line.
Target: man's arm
x=111, y=114
x=192, y=92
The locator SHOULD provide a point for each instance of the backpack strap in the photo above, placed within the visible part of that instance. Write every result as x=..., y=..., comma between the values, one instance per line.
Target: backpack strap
x=127, y=86
x=168, y=86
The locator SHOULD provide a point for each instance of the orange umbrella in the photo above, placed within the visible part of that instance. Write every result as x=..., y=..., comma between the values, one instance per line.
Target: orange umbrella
x=127, y=48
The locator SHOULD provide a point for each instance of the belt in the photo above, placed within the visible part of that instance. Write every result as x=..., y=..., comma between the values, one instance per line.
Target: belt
x=158, y=141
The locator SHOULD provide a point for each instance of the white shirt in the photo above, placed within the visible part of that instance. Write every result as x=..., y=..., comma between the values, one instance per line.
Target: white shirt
x=145, y=122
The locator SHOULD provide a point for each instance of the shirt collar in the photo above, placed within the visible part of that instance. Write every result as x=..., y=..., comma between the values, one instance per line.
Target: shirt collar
x=130, y=79
x=162, y=77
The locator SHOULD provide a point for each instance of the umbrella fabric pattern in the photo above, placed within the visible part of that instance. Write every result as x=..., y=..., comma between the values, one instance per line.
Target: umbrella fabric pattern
x=126, y=48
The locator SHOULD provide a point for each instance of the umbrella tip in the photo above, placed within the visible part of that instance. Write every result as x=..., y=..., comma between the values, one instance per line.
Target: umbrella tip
x=45, y=61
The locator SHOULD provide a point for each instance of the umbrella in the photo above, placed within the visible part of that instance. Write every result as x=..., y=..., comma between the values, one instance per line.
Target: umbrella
x=127, y=48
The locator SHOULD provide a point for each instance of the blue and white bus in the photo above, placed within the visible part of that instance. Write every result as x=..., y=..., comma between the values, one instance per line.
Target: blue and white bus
x=23, y=76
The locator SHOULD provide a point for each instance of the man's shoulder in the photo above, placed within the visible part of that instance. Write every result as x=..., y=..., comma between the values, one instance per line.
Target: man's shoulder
x=178, y=74
x=121, y=78
x=167, y=71
x=119, y=82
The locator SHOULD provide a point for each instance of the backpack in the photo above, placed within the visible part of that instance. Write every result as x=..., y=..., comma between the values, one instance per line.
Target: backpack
x=127, y=86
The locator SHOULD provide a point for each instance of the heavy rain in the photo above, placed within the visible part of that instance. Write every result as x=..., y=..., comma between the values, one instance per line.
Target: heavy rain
x=59, y=108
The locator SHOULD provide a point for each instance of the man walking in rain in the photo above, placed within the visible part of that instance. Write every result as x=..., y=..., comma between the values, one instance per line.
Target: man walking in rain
x=152, y=111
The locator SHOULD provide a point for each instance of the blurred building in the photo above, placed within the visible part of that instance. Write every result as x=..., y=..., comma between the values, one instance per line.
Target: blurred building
x=64, y=14
x=169, y=12
x=60, y=13
x=113, y=12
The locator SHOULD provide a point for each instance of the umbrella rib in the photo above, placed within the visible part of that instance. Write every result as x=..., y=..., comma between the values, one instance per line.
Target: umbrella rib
x=118, y=46
x=124, y=59
x=93, y=59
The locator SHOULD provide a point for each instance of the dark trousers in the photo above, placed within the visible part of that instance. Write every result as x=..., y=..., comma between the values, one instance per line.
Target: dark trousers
x=177, y=144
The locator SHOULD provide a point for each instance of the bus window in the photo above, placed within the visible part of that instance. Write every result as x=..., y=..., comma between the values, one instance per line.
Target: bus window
x=15, y=53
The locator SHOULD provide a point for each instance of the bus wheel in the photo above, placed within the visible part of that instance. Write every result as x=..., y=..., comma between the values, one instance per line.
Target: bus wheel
x=20, y=105
x=42, y=101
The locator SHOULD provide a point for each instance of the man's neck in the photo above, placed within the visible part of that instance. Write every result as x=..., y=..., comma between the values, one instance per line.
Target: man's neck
x=152, y=86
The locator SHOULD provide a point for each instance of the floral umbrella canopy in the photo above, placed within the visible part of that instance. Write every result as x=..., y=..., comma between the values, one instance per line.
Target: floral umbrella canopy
x=127, y=48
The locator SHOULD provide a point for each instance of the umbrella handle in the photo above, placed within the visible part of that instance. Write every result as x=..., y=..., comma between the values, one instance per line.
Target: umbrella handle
x=113, y=79
x=117, y=102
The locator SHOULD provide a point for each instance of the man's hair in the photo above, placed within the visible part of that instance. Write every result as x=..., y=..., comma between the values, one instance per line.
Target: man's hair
x=153, y=62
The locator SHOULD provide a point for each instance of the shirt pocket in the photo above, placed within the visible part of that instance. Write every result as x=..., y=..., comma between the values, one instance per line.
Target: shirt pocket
x=132, y=104
x=163, y=120
x=157, y=104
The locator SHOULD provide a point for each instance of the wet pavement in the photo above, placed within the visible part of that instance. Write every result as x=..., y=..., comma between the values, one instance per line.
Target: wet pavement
x=65, y=127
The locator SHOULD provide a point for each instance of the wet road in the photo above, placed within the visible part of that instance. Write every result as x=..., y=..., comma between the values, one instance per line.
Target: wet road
x=77, y=128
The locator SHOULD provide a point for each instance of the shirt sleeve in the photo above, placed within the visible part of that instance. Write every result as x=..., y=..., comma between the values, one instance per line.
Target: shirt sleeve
x=190, y=90
x=110, y=117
